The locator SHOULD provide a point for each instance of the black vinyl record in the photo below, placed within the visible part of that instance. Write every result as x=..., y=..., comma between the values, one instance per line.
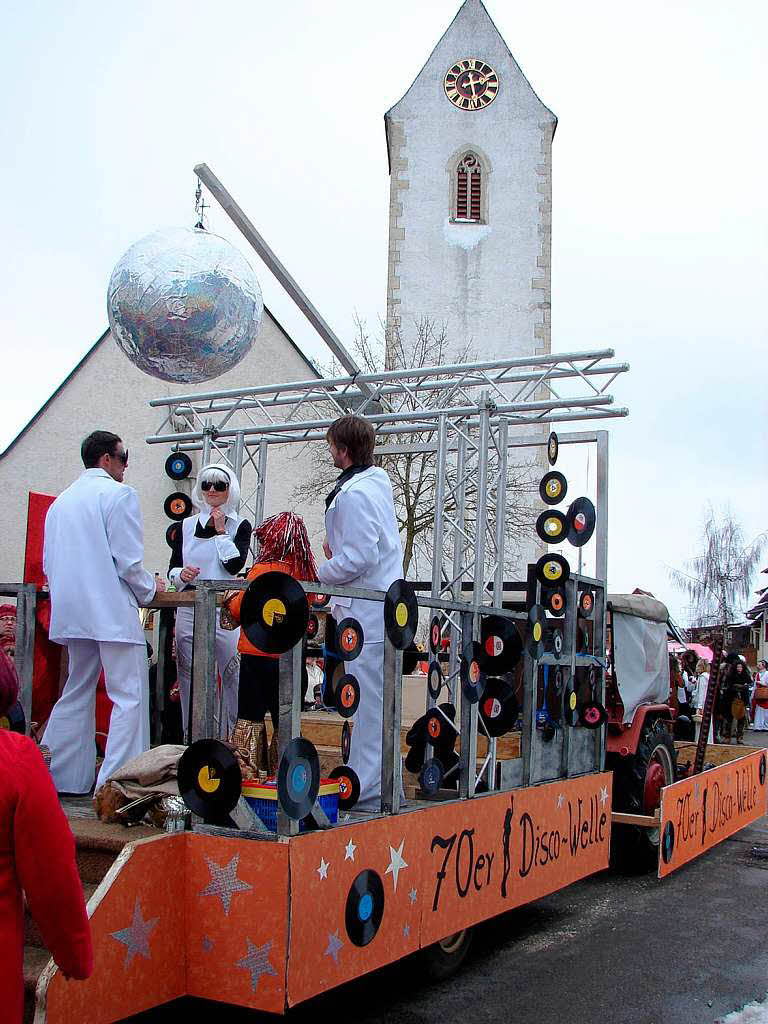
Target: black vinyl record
x=171, y=534
x=498, y=707
x=349, y=639
x=586, y=603
x=668, y=842
x=349, y=785
x=552, y=570
x=554, y=695
x=435, y=635
x=178, y=465
x=761, y=772
x=365, y=908
x=571, y=705
x=346, y=741
x=438, y=730
x=551, y=526
x=431, y=775
x=14, y=719
x=581, y=518
x=471, y=674
x=553, y=448
x=553, y=599
x=321, y=600
x=298, y=778
x=553, y=488
x=537, y=624
x=592, y=714
x=313, y=626
x=177, y=506
x=401, y=614
x=500, y=644
x=434, y=679
x=556, y=641
x=347, y=694
x=582, y=637
x=274, y=612
x=209, y=779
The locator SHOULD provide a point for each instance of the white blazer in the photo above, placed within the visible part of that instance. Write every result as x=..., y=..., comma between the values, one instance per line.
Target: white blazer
x=362, y=532
x=92, y=555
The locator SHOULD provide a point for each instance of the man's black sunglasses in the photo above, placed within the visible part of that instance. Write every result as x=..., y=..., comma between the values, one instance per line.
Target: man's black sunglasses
x=122, y=456
x=219, y=486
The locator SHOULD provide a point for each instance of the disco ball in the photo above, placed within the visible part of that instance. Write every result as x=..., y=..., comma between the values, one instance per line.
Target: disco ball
x=184, y=305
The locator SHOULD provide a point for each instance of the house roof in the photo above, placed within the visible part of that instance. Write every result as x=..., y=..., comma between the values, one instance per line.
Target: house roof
x=97, y=344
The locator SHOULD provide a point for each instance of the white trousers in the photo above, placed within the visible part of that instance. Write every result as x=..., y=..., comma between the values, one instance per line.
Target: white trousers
x=71, y=729
x=365, y=742
x=761, y=718
x=227, y=663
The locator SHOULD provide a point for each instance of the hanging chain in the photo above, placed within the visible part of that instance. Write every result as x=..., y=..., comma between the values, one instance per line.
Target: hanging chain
x=200, y=206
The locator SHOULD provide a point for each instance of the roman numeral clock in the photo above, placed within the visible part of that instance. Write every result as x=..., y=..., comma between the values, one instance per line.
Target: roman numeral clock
x=471, y=84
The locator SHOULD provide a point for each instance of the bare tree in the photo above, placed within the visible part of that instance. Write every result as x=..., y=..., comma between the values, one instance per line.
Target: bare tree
x=413, y=473
x=719, y=580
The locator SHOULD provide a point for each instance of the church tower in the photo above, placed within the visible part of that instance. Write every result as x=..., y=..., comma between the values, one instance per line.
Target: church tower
x=470, y=213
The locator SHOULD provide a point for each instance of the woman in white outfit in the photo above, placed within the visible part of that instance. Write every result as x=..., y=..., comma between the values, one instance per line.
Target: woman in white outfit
x=211, y=545
x=760, y=704
x=702, y=682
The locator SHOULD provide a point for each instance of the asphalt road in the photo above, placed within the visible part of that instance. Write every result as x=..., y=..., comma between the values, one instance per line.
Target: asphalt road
x=614, y=948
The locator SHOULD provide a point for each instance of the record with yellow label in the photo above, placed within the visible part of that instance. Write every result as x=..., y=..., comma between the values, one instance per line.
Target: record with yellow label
x=537, y=624
x=552, y=570
x=553, y=488
x=551, y=526
x=401, y=614
x=209, y=780
x=274, y=612
x=553, y=448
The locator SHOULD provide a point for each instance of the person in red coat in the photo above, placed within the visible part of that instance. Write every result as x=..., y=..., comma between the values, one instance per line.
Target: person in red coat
x=37, y=861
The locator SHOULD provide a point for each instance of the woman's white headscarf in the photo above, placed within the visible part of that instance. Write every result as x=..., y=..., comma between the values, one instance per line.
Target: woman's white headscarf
x=214, y=472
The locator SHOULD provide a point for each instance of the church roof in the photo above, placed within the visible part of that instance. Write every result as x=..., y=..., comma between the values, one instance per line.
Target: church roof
x=98, y=343
x=468, y=9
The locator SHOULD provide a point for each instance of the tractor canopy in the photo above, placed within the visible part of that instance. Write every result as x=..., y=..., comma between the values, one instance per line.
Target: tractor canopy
x=639, y=650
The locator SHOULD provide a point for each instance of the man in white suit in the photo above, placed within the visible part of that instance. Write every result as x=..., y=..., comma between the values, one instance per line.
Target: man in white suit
x=363, y=549
x=92, y=555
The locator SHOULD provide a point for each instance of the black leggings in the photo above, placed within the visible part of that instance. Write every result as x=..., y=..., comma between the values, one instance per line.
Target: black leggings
x=259, y=689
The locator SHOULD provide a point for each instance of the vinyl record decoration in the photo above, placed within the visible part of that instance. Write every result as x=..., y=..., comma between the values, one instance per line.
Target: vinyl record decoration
x=435, y=635
x=347, y=693
x=349, y=639
x=668, y=842
x=434, y=679
x=537, y=621
x=592, y=713
x=437, y=728
x=553, y=448
x=571, y=705
x=401, y=614
x=14, y=719
x=586, y=603
x=349, y=786
x=313, y=626
x=554, y=695
x=431, y=776
x=172, y=533
x=365, y=908
x=500, y=645
x=298, y=778
x=177, y=506
x=178, y=466
x=209, y=779
x=581, y=518
x=274, y=612
x=553, y=488
x=553, y=599
x=556, y=641
x=346, y=741
x=552, y=570
x=551, y=526
x=470, y=672
x=498, y=707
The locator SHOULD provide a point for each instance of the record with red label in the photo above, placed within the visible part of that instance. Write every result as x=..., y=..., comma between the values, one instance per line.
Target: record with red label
x=470, y=672
x=347, y=696
x=498, y=707
x=298, y=778
x=592, y=714
x=586, y=603
x=321, y=600
x=274, y=612
x=437, y=728
x=435, y=635
x=553, y=448
x=349, y=786
x=552, y=570
x=551, y=526
x=431, y=776
x=537, y=623
x=401, y=614
x=581, y=518
x=553, y=599
x=500, y=644
x=553, y=488
x=434, y=679
x=209, y=779
x=177, y=506
x=349, y=639
x=313, y=626
x=172, y=533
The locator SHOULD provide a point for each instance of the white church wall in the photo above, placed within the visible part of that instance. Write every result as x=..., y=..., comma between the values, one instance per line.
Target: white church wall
x=109, y=393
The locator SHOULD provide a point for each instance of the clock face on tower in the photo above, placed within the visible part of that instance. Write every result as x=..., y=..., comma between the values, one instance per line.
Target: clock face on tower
x=471, y=84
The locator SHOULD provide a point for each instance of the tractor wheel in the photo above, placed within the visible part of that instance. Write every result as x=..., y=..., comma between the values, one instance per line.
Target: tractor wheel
x=443, y=958
x=637, y=786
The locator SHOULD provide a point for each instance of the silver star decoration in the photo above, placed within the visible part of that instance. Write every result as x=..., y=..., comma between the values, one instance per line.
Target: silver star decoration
x=396, y=862
x=560, y=800
x=334, y=945
x=349, y=851
x=224, y=882
x=603, y=795
x=323, y=869
x=406, y=930
x=257, y=962
x=412, y=895
x=136, y=937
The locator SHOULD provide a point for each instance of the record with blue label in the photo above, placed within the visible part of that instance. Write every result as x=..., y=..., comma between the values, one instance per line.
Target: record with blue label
x=668, y=842
x=365, y=908
x=298, y=778
x=178, y=465
x=431, y=775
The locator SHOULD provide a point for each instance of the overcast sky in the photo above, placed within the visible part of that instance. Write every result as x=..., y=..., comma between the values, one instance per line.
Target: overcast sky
x=659, y=234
